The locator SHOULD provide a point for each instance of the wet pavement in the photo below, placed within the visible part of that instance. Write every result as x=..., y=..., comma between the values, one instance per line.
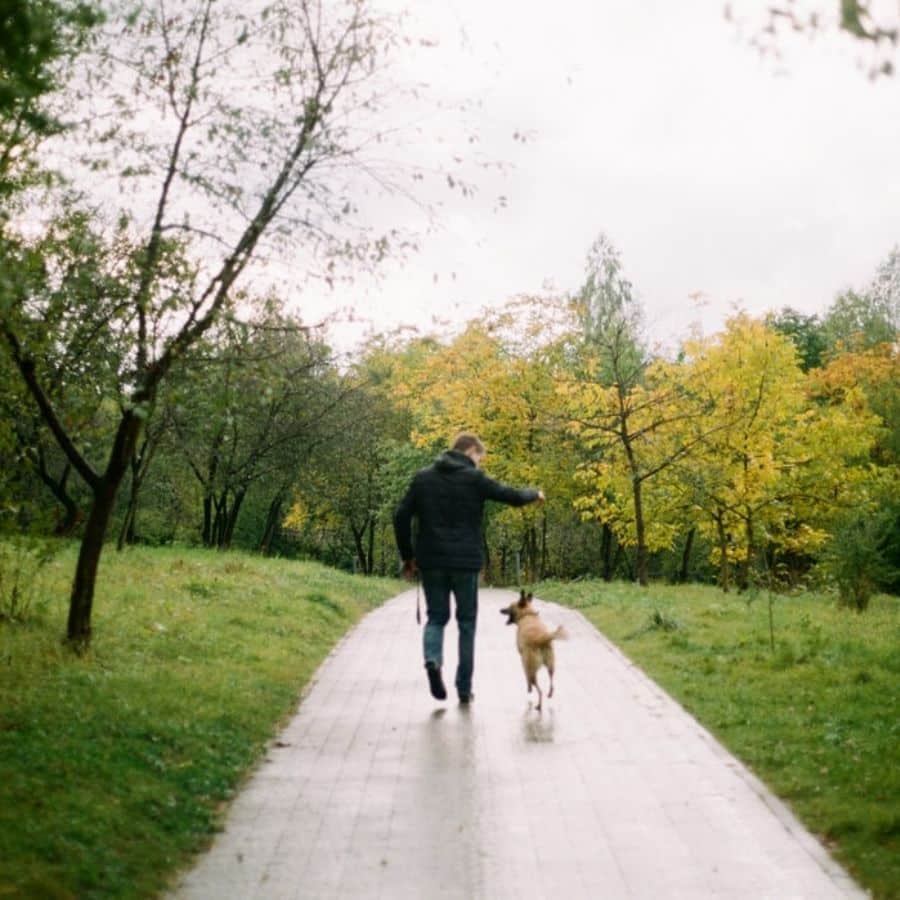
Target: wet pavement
x=375, y=790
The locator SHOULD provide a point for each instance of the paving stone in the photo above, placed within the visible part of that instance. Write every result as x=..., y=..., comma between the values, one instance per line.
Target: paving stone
x=375, y=790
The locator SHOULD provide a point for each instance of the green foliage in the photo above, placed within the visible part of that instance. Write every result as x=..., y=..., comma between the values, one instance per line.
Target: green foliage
x=859, y=320
x=34, y=34
x=807, y=334
x=818, y=720
x=22, y=561
x=611, y=316
x=36, y=38
x=117, y=765
x=861, y=557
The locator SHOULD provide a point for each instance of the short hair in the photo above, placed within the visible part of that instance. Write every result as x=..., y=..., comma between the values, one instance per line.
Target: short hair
x=466, y=441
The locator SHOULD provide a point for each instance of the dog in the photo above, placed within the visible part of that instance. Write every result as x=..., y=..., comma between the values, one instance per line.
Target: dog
x=534, y=640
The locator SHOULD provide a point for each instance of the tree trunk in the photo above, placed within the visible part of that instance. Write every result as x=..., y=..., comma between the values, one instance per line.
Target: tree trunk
x=723, y=554
x=231, y=519
x=543, y=572
x=127, y=531
x=618, y=556
x=370, y=569
x=744, y=571
x=623, y=559
x=358, y=544
x=140, y=463
x=220, y=518
x=606, y=546
x=640, y=562
x=686, y=557
x=528, y=553
x=207, y=534
x=81, y=601
x=82, y=597
x=273, y=521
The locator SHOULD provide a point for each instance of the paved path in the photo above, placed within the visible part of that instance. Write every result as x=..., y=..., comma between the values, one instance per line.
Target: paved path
x=375, y=790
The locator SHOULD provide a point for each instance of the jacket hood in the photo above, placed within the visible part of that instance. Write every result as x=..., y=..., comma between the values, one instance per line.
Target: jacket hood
x=453, y=460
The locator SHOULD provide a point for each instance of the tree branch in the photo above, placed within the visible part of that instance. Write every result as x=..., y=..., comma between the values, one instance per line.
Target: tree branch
x=26, y=367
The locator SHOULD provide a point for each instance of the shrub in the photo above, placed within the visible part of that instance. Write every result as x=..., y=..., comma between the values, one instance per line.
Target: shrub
x=858, y=558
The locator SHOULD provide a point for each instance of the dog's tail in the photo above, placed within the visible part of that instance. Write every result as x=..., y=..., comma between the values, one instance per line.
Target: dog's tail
x=559, y=635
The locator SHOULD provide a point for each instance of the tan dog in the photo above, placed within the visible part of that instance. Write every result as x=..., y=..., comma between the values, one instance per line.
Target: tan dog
x=534, y=641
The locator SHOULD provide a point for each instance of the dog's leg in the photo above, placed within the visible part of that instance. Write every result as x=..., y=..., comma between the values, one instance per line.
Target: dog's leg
x=537, y=687
x=549, y=662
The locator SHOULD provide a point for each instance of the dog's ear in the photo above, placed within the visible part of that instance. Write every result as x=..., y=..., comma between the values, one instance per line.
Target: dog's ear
x=523, y=600
x=522, y=594
x=529, y=598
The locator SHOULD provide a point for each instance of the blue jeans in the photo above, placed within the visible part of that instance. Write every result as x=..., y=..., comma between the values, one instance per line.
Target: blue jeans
x=438, y=585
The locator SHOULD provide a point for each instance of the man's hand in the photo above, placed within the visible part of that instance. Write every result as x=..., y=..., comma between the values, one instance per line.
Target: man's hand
x=540, y=497
x=409, y=570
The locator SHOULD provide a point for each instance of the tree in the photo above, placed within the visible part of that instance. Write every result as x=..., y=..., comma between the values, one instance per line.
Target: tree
x=249, y=159
x=80, y=356
x=345, y=495
x=250, y=414
x=858, y=320
x=806, y=332
x=616, y=418
x=497, y=379
x=772, y=466
x=885, y=288
x=37, y=38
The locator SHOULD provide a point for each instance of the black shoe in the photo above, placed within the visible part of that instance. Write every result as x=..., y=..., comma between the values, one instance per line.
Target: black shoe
x=435, y=682
x=466, y=699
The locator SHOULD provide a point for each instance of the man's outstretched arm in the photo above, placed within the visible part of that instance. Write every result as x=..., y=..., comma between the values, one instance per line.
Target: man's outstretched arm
x=503, y=493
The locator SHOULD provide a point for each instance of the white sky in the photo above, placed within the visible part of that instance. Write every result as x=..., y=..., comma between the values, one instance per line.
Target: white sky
x=714, y=171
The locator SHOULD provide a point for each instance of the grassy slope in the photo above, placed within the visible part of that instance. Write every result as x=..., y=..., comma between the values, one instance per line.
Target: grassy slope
x=114, y=767
x=818, y=719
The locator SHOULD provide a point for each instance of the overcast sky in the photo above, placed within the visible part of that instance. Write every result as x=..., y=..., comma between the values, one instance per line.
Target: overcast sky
x=716, y=173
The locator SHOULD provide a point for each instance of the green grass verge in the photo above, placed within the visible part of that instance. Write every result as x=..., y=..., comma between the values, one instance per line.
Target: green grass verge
x=818, y=719
x=115, y=767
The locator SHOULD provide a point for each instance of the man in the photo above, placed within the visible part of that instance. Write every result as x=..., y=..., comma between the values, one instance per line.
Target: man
x=447, y=499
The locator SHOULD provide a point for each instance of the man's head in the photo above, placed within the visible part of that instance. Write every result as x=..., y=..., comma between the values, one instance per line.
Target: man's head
x=470, y=445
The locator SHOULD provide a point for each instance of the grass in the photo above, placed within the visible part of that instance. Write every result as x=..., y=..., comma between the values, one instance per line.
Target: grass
x=818, y=719
x=115, y=767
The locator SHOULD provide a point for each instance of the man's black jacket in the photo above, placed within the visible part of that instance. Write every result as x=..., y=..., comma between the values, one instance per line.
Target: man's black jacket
x=448, y=498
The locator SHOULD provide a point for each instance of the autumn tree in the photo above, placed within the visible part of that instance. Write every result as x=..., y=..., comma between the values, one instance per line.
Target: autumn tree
x=623, y=410
x=863, y=551
x=497, y=379
x=771, y=467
